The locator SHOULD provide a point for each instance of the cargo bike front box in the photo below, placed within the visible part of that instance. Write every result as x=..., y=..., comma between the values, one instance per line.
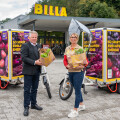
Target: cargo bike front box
x=11, y=41
x=104, y=57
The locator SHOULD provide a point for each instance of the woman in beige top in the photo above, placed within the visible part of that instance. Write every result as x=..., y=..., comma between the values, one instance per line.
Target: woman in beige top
x=75, y=75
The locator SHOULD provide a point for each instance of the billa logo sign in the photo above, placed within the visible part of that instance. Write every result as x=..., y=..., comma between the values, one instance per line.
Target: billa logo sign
x=49, y=10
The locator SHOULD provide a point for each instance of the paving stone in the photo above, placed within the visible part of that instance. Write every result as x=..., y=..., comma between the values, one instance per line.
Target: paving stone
x=100, y=104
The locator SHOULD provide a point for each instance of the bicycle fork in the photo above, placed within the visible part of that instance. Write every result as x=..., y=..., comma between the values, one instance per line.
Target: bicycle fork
x=64, y=85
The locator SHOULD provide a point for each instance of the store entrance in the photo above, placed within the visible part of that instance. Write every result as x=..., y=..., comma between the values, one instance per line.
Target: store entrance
x=55, y=40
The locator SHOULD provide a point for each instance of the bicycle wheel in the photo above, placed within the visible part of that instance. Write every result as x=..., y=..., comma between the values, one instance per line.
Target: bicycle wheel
x=65, y=92
x=3, y=84
x=48, y=90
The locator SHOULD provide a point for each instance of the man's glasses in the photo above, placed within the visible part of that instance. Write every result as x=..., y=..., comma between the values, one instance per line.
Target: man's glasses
x=73, y=37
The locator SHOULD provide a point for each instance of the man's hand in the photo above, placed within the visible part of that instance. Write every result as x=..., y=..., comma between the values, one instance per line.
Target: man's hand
x=37, y=62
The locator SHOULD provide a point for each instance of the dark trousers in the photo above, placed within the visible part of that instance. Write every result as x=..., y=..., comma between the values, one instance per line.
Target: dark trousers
x=31, y=83
x=76, y=78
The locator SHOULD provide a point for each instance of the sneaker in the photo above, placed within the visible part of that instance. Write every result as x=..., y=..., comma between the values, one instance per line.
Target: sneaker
x=73, y=113
x=81, y=107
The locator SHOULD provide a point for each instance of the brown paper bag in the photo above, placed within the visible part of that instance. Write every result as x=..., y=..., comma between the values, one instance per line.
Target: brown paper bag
x=47, y=60
x=76, y=60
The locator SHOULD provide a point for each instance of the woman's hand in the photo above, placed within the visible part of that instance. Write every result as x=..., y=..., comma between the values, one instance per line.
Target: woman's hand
x=79, y=67
x=85, y=61
x=69, y=67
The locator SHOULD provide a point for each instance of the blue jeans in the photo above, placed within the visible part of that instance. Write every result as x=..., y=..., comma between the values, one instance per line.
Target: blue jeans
x=31, y=83
x=76, y=78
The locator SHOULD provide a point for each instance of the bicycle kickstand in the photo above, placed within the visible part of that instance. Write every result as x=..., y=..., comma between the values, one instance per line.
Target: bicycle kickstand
x=84, y=91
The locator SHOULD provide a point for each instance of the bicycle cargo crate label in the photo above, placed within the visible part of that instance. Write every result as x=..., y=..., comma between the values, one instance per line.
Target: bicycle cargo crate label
x=95, y=54
x=18, y=38
x=113, y=53
x=4, y=53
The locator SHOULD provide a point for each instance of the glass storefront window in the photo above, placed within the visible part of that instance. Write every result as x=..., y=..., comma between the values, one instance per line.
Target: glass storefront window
x=56, y=41
x=41, y=41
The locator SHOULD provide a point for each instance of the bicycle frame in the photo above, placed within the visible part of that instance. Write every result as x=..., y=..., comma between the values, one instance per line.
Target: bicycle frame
x=85, y=78
x=65, y=79
x=44, y=73
x=45, y=81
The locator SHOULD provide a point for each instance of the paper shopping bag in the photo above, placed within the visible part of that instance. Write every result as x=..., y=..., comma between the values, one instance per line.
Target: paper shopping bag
x=76, y=60
x=48, y=59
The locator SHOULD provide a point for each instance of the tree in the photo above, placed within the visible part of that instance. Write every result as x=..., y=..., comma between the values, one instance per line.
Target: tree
x=85, y=8
x=113, y=3
x=101, y=10
x=72, y=7
x=7, y=19
x=95, y=8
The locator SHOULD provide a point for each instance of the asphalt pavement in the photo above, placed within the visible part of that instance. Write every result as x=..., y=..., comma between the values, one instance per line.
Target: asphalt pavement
x=100, y=103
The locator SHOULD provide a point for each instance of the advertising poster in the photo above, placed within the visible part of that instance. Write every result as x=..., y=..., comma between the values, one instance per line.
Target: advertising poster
x=94, y=54
x=18, y=38
x=113, y=54
x=4, y=53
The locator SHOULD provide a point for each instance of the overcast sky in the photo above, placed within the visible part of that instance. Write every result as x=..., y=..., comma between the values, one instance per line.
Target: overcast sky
x=13, y=8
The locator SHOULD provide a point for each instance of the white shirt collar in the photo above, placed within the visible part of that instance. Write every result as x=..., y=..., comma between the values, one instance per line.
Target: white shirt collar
x=33, y=44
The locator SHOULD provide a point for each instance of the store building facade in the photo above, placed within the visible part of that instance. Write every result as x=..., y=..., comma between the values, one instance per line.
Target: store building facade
x=53, y=28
